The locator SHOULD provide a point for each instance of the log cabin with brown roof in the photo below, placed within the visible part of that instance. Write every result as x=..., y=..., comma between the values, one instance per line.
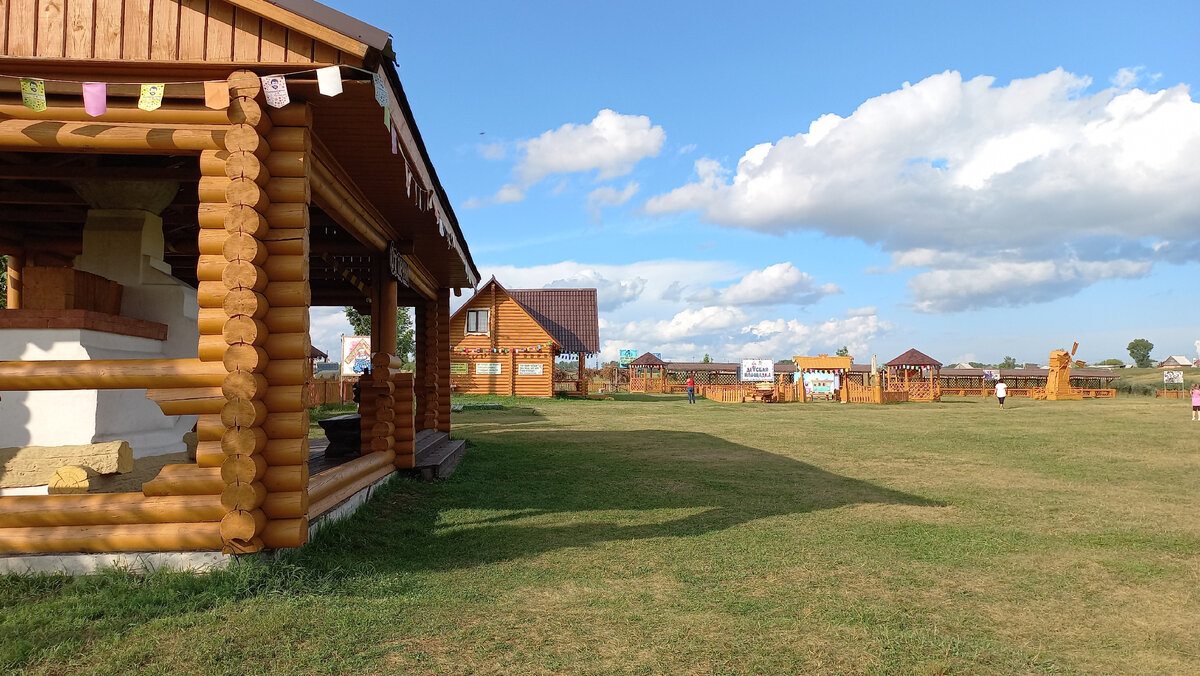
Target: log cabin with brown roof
x=506, y=340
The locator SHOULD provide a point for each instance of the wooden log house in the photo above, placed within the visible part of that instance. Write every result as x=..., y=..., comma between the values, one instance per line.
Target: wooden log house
x=248, y=212
x=506, y=340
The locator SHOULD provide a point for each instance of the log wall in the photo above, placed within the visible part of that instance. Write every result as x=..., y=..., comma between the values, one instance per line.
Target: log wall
x=511, y=332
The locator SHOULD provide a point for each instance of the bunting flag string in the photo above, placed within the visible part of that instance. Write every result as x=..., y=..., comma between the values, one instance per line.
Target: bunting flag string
x=95, y=98
x=504, y=350
x=216, y=95
x=152, y=96
x=329, y=80
x=275, y=90
x=33, y=94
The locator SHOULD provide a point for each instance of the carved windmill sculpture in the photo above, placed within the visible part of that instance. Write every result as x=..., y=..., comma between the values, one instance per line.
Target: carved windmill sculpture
x=1058, y=384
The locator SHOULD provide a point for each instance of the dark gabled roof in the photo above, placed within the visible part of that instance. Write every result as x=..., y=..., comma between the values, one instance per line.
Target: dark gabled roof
x=713, y=366
x=914, y=357
x=1103, y=374
x=316, y=353
x=647, y=359
x=570, y=316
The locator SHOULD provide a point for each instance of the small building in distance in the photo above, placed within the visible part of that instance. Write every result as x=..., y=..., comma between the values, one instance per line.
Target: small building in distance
x=505, y=341
x=1175, y=361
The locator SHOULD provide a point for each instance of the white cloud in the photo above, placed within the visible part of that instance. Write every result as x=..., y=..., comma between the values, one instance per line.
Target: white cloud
x=776, y=284
x=611, y=144
x=505, y=195
x=492, y=151
x=610, y=293
x=862, y=311
x=684, y=150
x=967, y=168
x=608, y=196
x=783, y=338
x=1126, y=77
x=685, y=324
x=326, y=326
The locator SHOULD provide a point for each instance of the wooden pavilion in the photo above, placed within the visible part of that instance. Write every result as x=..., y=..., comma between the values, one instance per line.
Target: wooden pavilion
x=172, y=222
x=648, y=373
x=506, y=340
x=915, y=373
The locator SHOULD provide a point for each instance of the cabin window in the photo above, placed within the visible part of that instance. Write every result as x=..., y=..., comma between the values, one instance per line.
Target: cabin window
x=477, y=321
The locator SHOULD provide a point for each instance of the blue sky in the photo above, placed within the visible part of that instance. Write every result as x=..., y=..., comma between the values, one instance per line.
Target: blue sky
x=785, y=178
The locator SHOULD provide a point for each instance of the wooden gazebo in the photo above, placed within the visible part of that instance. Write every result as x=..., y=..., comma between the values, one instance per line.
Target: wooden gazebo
x=648, y=373
x=916, y=373
x=181, y=183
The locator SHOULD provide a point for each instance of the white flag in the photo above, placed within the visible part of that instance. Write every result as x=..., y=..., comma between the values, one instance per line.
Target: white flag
x=329, y=80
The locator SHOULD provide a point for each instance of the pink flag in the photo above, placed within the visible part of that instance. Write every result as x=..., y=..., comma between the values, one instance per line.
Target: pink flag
x=95, y=98
x=395, y=141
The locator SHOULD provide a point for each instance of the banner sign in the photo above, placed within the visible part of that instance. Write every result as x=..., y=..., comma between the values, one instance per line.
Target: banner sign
x=757, y=371
x=1175, y=377
x=529, y=369
x=816, y=382
x=991, y=374
x=458, y=368
x=627, y=357
x=356, y=355
x=487, y=368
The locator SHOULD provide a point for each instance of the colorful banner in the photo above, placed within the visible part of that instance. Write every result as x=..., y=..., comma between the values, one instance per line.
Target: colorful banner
x=529, y=369
x=216, y=95
x=627, y=357
x=33, y=94
x=329, y=80
x=356, y=355
x=152, y=96
x=95, y=98
x=488, y=368
x=275, y=90
x=1173, y=377
x=816, y=382
x=458, y=368
x=991, y=374
x=757, y=371
x=381, y=92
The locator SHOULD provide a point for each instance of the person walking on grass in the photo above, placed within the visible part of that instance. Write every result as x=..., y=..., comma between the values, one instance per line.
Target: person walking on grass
x=1001, y=392
x=691, y=388
x=1195, y=402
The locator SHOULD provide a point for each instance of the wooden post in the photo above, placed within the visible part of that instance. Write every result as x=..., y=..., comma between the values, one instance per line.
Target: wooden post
x=443, y=360
x=581, y=385
x=16, y=263
x=431, y=364
x=421, y=369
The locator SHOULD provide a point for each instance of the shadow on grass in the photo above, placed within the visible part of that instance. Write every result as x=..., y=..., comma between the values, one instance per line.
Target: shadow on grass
x=522, y=493
x=651, y=398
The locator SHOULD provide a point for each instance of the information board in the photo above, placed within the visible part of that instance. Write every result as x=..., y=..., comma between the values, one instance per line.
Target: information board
x=529, y=369
x=627, y=357
x=757, y=371
x=1173, y=377
x=458, y=368
x=487, y=368
x=356, y=355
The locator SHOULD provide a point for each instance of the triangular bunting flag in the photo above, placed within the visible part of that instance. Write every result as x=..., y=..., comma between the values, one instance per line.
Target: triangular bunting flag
x=152, y=96
x=387, y=116
x=396, y=143
x=95, y=98
x=216, y=94
x=329, y=80
x=381, y=92
x=275, y=90
x=33, y=93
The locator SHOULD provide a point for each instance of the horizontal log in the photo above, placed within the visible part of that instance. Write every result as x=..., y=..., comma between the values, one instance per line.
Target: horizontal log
x=107, y=374
x=287, y=398
x=324, y=483
x=294, y=115
x=209, y=454
x=68, y=480
x=245, y=358
x=243, y=413
x=36, y=465
x=290, y=505
x=244, y=330
x=187, y=400
x=243, y=441
x=286, y=451
x=286, y=478
x=162, y=537
x=233, y=165
x=106, y=508
x=284, y=241
x=245, y=138
x=243, y=275
x=347, y=209
x=281, y=533
x=290, y=139
x=243, y=468
x=287, y=320
x=382, y=445
x=119, y=110
x=244, y=190
x=211, y=294
x=220, y=216
x=211, y=348
x=113, y=137
x=240, y=526
x=209, y=428
x=288, y=346
x=244, y=496
x=288, y=371
x=319, y=507
x=405, y=460
x=382, y=360
x=244, y=385
x=288, y=294
x=286, y=425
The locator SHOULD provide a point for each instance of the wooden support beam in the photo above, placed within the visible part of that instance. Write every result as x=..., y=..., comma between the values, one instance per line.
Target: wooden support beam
x=16, y=264
x=110, y=508
x=17, y=134
x=108, y=374
x=165, y=537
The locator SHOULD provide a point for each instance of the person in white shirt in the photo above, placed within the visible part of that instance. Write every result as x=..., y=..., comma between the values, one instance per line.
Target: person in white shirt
x=1001, y=392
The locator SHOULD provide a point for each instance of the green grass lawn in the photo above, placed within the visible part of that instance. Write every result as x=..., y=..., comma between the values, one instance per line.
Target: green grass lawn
x=647, y=536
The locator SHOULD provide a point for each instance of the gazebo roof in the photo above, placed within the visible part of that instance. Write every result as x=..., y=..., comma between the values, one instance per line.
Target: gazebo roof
x=647, y=359
x=914, y=357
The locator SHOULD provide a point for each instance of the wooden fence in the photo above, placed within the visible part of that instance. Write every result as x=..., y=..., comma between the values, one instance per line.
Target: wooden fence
x=331, y=391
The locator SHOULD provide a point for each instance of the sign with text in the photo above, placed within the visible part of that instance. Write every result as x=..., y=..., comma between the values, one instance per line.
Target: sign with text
x=816, y=382
x=757, y=371
x=529, y=369
x=356, y=355
x=627, y=357
x=487, y=368
x=458, y=368
x=1173, y=377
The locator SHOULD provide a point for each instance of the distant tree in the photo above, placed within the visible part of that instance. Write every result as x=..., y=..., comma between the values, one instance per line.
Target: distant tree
x=707, y=359
x=1139, y=350
x=405, y=341
x=1110, y=362
x=1009, y=362
x=843, y=351
x=978, y=365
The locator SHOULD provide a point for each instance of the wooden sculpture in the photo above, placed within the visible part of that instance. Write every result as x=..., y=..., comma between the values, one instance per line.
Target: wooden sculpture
x=1058, y=382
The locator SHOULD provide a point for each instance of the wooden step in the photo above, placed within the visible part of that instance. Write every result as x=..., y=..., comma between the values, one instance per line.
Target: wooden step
x=427, y=439
x=438, y=461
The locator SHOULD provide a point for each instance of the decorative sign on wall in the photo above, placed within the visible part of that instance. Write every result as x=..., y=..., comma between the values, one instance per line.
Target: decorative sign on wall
x=1173, y=377
x=816, y=382
x=458, y=368
x=757, y=371
x=529, y=369
x=627, y=356
x=396, y=264
x=356, y=354
x=485, y=368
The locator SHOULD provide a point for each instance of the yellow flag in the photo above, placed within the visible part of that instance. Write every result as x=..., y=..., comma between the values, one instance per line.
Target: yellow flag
x=152, y=95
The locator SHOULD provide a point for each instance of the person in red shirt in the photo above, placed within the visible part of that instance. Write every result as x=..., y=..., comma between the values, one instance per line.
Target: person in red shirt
x=691, y=387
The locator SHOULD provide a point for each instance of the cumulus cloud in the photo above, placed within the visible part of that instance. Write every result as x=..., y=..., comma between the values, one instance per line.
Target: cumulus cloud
x=505, y=195
x=608, y=196
x=492, y=151
x=610, y=293
x=777, y=284
x=971, y=167
x=790, y=337
x=611, y=144
x=686, y=324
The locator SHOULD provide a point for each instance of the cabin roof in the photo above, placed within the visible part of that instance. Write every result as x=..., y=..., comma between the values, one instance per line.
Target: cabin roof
x=570, y=316
x=914, y=357
x=337, y=21
x=647, y=359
